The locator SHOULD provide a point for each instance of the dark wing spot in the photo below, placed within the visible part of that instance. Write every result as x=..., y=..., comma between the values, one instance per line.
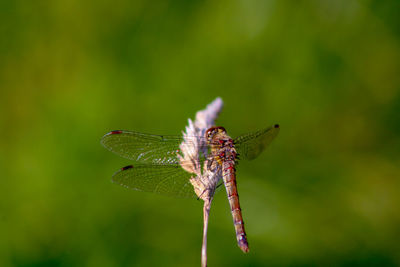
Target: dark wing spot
x=115, y=132
x=276, y=125
x=127, y=167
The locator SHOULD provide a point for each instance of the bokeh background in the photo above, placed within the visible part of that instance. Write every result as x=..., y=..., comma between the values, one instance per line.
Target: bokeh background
x=325, y=193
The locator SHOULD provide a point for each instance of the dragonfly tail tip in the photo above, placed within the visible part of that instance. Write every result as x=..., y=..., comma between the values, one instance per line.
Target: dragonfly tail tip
x=243, y=245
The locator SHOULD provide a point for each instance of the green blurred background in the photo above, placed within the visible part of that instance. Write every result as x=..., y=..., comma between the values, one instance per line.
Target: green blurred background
x=326, y=192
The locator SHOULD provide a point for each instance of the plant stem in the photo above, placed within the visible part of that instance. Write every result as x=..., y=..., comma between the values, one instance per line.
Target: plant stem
x=206, y=212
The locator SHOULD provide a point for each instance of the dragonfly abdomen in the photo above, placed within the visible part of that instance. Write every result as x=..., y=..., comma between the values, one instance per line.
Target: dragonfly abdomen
x=229, y=177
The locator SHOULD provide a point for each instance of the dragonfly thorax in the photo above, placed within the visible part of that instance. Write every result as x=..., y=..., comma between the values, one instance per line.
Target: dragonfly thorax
x=222, y=146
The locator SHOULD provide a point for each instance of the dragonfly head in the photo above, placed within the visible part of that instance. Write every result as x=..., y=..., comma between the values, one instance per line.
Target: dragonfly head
x=213, y=131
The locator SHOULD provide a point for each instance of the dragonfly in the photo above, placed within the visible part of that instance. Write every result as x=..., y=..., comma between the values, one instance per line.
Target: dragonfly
x=158, y=168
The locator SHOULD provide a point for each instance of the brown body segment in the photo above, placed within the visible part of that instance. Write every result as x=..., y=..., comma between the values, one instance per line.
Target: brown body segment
x=229, y=177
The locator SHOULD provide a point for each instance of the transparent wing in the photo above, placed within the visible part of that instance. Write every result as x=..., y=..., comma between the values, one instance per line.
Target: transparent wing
x=170, y=180
x=250, y=145
x=145, y=148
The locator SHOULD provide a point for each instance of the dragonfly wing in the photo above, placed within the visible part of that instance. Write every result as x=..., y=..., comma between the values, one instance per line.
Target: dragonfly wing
x=144, y=148
x=250, y=145
x=169, y=180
